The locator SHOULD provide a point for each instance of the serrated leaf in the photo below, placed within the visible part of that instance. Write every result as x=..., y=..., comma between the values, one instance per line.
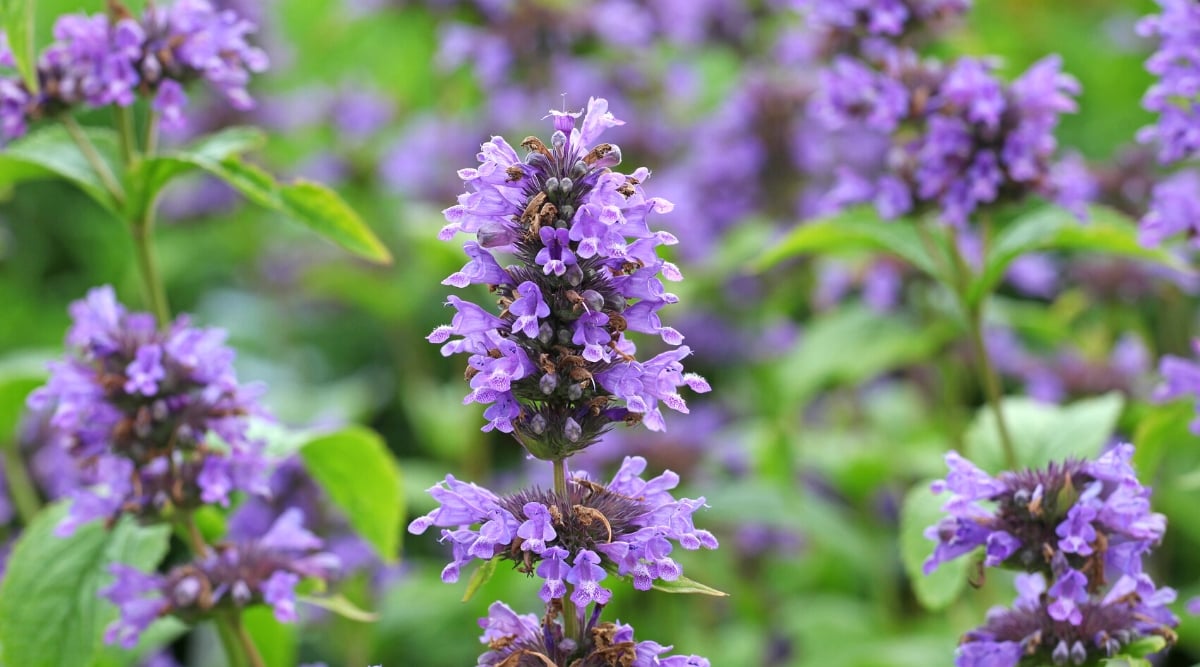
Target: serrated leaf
x=18, y=28
x=341, y=606
x=687, y=586
x=361, y=477
x=1052, y=228
x=857, y=229
x=922, y=509
x=1042, y=433
x=479, y=577
x=50, y=612
x=51, y=153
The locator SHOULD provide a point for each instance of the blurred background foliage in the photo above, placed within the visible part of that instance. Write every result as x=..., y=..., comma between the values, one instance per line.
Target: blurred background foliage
x=825, y=412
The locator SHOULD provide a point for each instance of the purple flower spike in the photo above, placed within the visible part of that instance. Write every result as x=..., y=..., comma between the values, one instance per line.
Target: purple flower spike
x=137, y=408
x=555, y=367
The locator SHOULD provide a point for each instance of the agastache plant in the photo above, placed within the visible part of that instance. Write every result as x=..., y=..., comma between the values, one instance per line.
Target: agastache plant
x=556, y=371
x=146, y=411
x=1080, y=530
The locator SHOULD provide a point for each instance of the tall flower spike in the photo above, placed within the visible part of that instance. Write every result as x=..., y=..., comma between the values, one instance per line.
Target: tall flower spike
x=143, y=410
x=554, y=366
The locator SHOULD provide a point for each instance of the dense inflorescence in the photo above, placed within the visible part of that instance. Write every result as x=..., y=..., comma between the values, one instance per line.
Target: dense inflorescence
x=524, y=640
x=230, y=576
x=961, y=138
x=1034, y=632
x=1174, y=95
x=154, y=419
x=875, y=28
x=554, y=366
x=627, y=527
x=1081, y=530
x=111, y=59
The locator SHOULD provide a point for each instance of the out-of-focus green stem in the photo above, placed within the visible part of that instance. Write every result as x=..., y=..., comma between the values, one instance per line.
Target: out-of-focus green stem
x=152, y=284
x=93, y=157
x=126, y=134
x=987, y=374
x=20, y=487
x=150, y=143
x=570, y=614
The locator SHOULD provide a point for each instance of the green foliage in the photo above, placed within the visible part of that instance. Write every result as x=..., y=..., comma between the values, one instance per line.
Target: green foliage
x=16, y=17
x=1107, y=231
x=340, y=605
x=362, y=479
x=50, y=611
x=19, y=375
x=686, y=585
x=1042, y=433
x=278, y=643
x=482, y=574
x=50, y=152
x=922, y=509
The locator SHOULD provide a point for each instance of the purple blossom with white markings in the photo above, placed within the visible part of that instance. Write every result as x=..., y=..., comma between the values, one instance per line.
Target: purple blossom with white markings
x=555, y=367
x=231, y=576
x=627, y=527
x=1094, y=516
x=155, y=419
x=1037, y=630
x=111, y=59
x=523, y=639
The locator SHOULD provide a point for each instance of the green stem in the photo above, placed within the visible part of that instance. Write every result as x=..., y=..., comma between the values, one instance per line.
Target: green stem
x=987, y=374
x=150, y=144
x=152, y=284
x=570, y=614
x=20, y=487
x=238, y=645
x=126, y=134
x=93, y=157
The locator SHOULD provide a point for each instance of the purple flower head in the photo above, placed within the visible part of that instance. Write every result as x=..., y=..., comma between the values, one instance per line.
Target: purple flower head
x=978, y=141
x=520, y=639
x=1174, y=210
x=232, y=576
x=1173, y=95
x=1181, y=377
x=1042, y=629
x=155, y=418
x=627, y=527
x=103, y=60
x=877, y=27
x=555, y=367
x=1094, y=516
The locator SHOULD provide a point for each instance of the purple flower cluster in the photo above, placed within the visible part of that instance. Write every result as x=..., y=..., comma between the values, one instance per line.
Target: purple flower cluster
x=232, y=576
x=1174, y=96
x=1035, y=632
x=977, y=141
x=875, y=27
x=1066, y=371
x=1174, y=209
x=517, y=640
x=1075, y=525
x=627, y=527
x=553, y=364
x=155, y=419
x=106, y=59
x=1181, y=377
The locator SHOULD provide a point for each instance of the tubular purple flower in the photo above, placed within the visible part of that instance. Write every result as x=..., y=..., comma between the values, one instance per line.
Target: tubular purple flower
x=586, y=272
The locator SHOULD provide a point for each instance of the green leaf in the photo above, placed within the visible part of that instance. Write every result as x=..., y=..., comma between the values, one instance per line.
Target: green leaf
x=482, y=574
x=277, y=643
x=327, y=214
x=341, y=606
x=851, y=345
x=1052, y=228
x=1125, y=661
x=685, y=585
x=1160, y=429
x=18, y=27
x=51, y=153
x=362, y=479
x=50, y=612
x=154, y=174
x=922, y=509
x=19, y=375
x=1145, y=646
x=854, y=230
x=1042, y=433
